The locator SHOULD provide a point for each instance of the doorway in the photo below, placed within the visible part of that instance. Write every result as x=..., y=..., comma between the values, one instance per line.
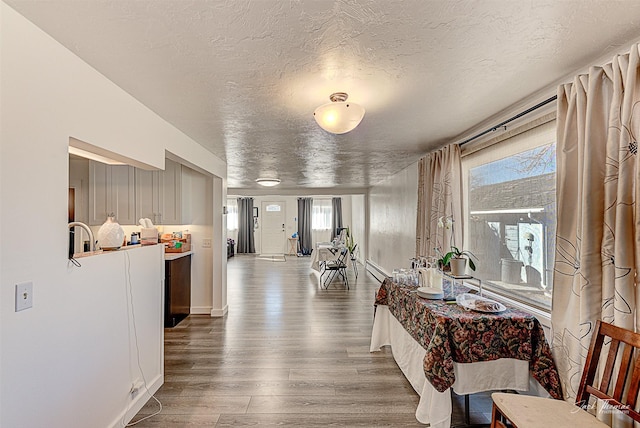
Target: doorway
x=272, y=232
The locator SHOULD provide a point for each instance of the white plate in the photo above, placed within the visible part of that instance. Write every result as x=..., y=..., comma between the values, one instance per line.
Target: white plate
x=475, y=303
x=430, y=293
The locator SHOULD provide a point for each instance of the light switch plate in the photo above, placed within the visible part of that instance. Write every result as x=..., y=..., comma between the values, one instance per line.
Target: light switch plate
x=24, y=296
x=206, y=243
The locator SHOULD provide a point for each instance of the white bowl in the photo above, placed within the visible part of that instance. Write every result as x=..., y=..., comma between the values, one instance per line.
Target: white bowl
x=430, y=293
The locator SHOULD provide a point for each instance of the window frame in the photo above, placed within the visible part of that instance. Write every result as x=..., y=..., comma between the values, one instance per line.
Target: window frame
x=528, y=139
x=326, y=203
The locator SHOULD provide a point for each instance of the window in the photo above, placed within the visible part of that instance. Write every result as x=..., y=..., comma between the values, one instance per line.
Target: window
x=232, y=214
x=321, y=214
x=510, y=215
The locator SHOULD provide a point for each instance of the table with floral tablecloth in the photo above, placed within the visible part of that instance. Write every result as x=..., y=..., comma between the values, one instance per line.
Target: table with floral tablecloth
x=450, y=333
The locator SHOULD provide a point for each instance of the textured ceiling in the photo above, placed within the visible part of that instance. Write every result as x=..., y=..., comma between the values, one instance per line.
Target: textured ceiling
x=243, y=77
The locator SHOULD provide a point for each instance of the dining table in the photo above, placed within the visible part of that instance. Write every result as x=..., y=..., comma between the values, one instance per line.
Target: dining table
x=442, y=346
x=324, y=252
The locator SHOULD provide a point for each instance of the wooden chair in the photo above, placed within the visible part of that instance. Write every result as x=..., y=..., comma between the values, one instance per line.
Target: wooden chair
x=523, y=411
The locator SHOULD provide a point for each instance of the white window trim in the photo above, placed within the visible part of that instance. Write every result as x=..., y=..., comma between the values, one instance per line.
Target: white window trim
x=546, y=134
x=542, y=315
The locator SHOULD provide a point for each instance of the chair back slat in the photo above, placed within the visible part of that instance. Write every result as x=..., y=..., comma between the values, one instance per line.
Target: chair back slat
x=622, y=346
x=590, y=367
x=623, y=372
x=607, y=372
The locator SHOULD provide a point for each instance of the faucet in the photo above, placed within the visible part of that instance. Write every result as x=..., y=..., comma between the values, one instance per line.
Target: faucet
x=86, y=228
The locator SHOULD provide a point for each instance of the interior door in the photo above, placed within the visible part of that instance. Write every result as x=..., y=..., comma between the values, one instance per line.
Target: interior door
x=272, y=228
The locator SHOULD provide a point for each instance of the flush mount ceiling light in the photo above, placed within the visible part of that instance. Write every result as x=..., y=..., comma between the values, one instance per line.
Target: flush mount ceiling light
x=339, y=116
x=268, y=182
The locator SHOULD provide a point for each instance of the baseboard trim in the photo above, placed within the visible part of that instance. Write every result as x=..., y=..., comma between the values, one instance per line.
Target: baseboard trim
x=138, y=402
x=217, y=313
x=379, y=273
x=201, y=310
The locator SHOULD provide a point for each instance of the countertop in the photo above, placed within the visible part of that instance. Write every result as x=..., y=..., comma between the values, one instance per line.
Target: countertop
x=100, y=251
x=167, y=256
x=173, y=256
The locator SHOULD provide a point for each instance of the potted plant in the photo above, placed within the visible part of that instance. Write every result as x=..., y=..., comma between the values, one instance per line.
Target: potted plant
x=457, y=261
x=350, y=244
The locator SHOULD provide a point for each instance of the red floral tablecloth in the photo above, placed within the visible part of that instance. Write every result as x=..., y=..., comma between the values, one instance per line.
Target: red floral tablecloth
x=449, y=334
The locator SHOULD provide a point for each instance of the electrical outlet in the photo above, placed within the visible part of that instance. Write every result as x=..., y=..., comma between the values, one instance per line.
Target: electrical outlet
x=24, y=296
x=134, y=392
x=136, y=387
x=206, y=243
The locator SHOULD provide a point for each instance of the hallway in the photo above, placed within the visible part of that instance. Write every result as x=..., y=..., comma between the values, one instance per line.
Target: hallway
x=288, y=353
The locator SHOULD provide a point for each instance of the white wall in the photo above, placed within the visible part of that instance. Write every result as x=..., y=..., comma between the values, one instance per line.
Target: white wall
x=201, y=226
x=67, y=358
x=392, y=220
x=219, y=249
x=358, y=225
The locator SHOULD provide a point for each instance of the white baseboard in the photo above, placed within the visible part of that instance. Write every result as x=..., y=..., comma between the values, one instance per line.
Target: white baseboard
x=220, y=312
x=138, y=402
x=201, y=310
x=376, y=271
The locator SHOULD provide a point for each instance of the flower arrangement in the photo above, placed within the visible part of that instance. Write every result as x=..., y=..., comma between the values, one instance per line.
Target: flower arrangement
x=446, y=222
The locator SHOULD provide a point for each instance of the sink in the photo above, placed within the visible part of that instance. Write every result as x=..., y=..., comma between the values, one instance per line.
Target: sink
x=74, y=224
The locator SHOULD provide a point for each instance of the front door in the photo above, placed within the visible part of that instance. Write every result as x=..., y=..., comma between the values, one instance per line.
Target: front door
x=272, y=232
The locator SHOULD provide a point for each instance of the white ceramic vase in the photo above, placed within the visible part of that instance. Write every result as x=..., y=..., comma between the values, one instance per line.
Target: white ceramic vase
x=458, y=266
x=110, y=235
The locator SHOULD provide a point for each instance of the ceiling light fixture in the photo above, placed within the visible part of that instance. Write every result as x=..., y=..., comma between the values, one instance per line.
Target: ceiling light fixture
x=339, y=116
x=268, y=182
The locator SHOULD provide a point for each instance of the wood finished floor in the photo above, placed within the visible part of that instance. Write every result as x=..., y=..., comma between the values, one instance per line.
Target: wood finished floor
x=289, y=353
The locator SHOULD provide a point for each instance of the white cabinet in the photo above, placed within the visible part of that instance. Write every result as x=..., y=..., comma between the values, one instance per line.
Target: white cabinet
x=111, y=191
x=148, y=193
x=159, y=195
x=171, y=201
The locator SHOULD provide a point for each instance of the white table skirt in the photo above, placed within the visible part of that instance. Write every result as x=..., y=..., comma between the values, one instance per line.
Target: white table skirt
x=323, y=253
x=435, y=407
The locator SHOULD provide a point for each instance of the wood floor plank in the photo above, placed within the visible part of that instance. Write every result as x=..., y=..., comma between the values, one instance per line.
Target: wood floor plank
x=287, y=354
x=254, y=388
x=331, y=404
x=179, y=421
x=199, y=405
x=318, y=420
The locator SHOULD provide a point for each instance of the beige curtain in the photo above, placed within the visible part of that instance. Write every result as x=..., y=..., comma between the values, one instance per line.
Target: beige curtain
x=439, y=195
x=597, y=242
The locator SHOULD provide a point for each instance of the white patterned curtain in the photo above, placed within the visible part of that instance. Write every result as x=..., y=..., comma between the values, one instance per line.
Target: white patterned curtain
x=439, y=197
x=597, y=249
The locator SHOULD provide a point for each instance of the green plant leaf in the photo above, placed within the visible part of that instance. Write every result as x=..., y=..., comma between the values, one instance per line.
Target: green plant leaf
x=472, y=266
x=446, y=258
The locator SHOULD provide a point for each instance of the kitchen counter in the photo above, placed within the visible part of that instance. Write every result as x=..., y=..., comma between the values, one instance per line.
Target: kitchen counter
x=173, y=256
x=98, y=252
